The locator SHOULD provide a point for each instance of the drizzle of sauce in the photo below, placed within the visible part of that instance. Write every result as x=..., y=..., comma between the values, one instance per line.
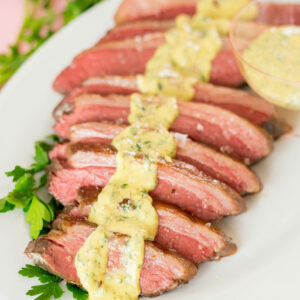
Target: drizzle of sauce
x=124, y=206
x=186, y=56
x=277, y=52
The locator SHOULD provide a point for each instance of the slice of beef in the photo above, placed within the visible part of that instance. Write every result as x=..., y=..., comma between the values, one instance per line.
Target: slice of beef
x=162, y=271
x=102, y=85
x=130, y=56
x=179, y=183
x=247, y=30
x=215, y=164
x=133, y=29
x=279, y=13
x=207, y=124
x=193, y=239
x=244, y=104
x=127, y=57
x=131, y=10
x=270, y=13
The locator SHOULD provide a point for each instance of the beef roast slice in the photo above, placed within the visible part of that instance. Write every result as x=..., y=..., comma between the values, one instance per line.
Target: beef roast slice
x=56, y=252
x=213, y=163
x=194, y=239
x=178, y=183
x=138, y=28
x=131, y=10
x=207, y=124
x=130, y=56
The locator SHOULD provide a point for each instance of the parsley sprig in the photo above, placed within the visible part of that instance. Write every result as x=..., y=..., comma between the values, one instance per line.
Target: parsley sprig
x=27, y=186
x=32, y=33
x=51, y=285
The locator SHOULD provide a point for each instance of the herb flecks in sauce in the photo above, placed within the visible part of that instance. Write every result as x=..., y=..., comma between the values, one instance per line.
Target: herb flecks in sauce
x=140, y=176
x=91, y=260
x=153, y=112
x=147, y=141
x=277, y=52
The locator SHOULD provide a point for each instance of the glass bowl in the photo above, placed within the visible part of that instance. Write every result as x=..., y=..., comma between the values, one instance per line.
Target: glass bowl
x=250, y=22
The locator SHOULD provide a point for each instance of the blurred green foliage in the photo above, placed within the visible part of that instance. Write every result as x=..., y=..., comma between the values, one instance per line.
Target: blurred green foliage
x=36, y=30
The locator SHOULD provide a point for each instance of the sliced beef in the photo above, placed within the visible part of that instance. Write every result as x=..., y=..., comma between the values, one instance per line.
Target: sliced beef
x=279, y=13
x=162, y=271
x=131, y=10
x=244, y=104
x=211, y=162
x=116, y=58
x=133, y=29
x=193, y=239
x=207, y=124
x=102, y=85
x=179, y=183
x=130, y=56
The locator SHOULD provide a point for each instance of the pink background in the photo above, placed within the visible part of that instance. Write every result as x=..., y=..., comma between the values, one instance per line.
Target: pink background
x=11, y=17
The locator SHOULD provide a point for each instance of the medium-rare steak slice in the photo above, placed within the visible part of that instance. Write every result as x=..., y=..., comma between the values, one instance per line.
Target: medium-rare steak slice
x=102, y=85
x=207, y=124
x=130, y=56
x=193, y=239
x=215, y=164
x=279, y=13
x=178, y=183
x=131, y=10
x=133, y=29
x=244, y=104
x=127, y=57
x=162, y=271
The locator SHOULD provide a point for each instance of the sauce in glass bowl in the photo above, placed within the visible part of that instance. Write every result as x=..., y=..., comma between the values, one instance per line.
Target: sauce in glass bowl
x=270, y=58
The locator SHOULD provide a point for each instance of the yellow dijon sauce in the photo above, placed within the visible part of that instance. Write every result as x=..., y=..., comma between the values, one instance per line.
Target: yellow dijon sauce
x=186, y=56
x=277, y=52
x=124, y=206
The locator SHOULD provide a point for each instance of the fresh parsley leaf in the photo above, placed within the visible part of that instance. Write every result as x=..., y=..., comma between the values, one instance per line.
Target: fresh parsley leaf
x=16, y=173
x=41, y=160
x=37, y=213
x=5, y=206
x=78, y=293
x=18, y=200
x=50, y=287
x=25, y=184
x=46, y=291
x=41, y=156
x=35, y=271
x=24, y=195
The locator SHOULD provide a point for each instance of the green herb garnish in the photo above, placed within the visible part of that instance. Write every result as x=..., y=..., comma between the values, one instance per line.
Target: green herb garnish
x=36, y=30
x=25, y=192
x=50, y=286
